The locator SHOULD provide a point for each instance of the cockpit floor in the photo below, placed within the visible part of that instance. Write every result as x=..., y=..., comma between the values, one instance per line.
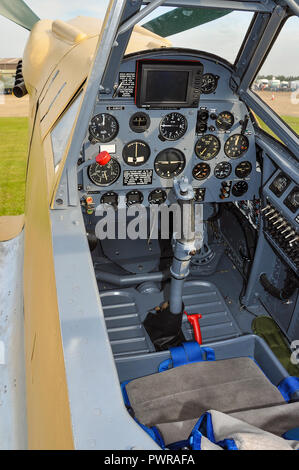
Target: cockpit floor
x=126, y=309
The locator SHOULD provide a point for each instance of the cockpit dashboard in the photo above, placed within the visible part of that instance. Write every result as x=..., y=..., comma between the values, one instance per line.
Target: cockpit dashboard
x=172, y=113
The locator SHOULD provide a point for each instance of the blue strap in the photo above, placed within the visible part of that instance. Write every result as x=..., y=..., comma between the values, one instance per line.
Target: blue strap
x=153, y=432
x=288, y=386
x=195, y=440
x=178, y=445
x=205, y=426
x=187, y=353
x=165, y=365
x=124, y=392
x=178, y=356
x=192, y=351
x=210, y=353
x=292, y=434
x=228, y=444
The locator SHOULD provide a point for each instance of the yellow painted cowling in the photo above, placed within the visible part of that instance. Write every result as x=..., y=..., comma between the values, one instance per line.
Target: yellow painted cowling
x=56, y=63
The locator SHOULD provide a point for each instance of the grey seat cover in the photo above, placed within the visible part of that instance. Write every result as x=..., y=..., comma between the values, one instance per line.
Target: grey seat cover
x=187, y=391
x=276, y=419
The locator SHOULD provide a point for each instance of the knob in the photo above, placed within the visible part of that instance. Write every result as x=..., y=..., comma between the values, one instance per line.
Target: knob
x=290, y=234
x=266, y=208
x=103, y=158
x=281, y=225
x=286, y=230
x=274, y=216
x=269, y=212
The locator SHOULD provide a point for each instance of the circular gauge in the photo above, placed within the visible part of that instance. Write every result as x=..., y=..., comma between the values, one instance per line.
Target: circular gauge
x=103, y=127
x=169, y=163
x=209, y=83
x=236, y=145
x=201, y=171
x=207, y=147
x=104, y=175
x=157, y=196
x=222, y=170
x=173, y=126
x=110, y=198
x=136, y=153
x=139, y=122
x=243, y=169
x=239, y=188
x=134, y=197
x=225, y=121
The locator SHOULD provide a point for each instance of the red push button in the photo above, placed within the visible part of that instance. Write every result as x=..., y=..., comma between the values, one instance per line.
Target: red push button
x=103, y=158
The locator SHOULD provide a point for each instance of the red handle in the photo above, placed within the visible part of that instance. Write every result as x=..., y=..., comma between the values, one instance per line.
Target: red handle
x=194, y=322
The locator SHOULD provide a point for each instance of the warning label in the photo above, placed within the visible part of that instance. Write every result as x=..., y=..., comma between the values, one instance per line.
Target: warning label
x=137, y=177
x=126, y=84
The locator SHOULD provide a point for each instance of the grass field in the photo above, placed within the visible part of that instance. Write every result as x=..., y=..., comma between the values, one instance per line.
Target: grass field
x=292, y=121
x=13, y=157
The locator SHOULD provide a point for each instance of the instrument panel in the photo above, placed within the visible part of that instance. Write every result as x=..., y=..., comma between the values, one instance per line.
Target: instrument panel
x=212, y=144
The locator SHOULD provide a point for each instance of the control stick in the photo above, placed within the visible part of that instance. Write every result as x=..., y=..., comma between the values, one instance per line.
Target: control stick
x=183, y=247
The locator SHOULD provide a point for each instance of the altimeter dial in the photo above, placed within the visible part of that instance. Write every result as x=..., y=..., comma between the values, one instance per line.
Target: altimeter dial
x=173, y=126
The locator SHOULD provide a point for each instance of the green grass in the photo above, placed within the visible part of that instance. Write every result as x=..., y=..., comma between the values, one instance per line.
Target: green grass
x=13, y=158
x=292, y=121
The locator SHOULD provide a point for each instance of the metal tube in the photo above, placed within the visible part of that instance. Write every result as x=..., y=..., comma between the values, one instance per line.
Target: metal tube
x=139, y=16
x=293, y=6
x=176, y=295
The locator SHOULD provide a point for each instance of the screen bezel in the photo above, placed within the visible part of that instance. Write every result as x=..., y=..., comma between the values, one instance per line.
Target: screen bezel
x=194, y=69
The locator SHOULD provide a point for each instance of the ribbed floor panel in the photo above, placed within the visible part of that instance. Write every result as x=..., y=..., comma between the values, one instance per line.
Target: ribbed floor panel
x=125, y=310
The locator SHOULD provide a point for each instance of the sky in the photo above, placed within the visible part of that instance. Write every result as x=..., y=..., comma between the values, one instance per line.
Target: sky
x=222, y=37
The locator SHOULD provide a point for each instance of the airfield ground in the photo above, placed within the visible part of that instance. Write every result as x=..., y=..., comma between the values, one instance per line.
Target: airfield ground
x=13, y=143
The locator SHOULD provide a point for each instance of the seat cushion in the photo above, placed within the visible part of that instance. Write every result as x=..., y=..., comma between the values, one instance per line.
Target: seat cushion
x=186, y=392
x=277, y=419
